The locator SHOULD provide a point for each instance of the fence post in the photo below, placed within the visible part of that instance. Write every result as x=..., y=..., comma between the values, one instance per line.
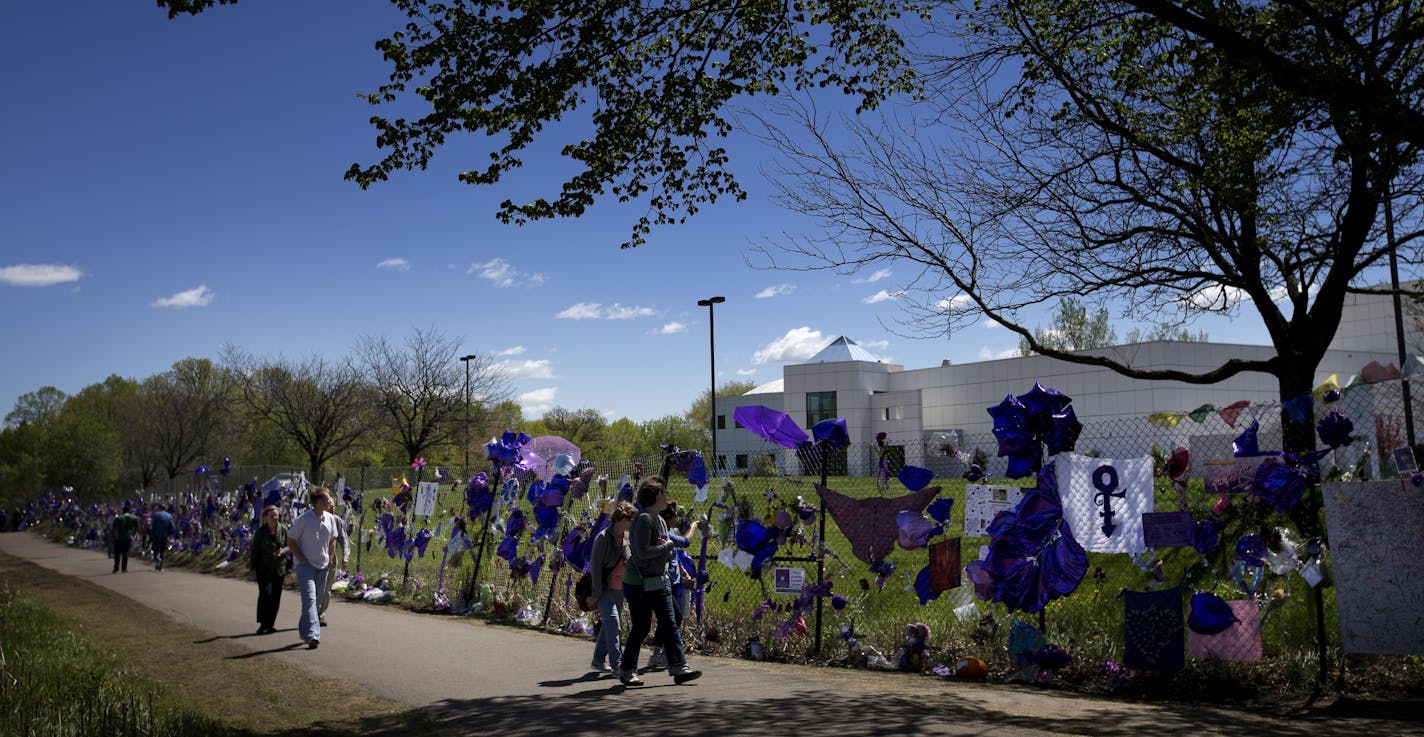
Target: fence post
x=821, y=556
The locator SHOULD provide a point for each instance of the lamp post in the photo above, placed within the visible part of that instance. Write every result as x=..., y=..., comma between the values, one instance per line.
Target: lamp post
x=712, y=357
x=466, y=360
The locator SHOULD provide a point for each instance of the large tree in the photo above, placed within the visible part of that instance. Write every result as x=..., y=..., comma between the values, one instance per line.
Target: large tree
x=322, y=405
x=179, y=415
x=1073, y=329
x=419, y=386
x=1168, y=155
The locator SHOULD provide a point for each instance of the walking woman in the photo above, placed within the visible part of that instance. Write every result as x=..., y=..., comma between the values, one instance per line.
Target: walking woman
x=269, y=562
x=610, y=556
x=649, y=551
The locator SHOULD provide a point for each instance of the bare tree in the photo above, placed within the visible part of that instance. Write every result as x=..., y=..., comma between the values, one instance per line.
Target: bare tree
x=323, y=406
x=419, y=386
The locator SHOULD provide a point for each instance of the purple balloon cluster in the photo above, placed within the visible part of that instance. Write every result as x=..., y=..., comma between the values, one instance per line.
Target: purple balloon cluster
x=1033, y=556
x=1023, y=425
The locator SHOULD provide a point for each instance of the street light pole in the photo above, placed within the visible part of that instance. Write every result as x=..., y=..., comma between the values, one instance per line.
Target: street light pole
x=466, y=360
x=712, y=356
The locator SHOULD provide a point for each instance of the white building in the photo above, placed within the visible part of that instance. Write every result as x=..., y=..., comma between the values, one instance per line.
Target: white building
x=946, y=404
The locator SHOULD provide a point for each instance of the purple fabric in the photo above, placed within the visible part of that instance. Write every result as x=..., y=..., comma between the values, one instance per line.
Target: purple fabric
x=869, y=524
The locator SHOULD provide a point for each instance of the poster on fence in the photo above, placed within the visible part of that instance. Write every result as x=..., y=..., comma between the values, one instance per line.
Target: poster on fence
x=1378, y=557
x=982, y=502
x=788, y=580
x=425, y=498
x=1232, y=476
x=1104, y=500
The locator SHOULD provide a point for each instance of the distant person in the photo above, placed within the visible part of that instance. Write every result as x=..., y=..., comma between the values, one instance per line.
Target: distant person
x=610, y=555
x=344, y=544
x=269, y=563
x=312, y=539
x=123, y=529
x=160, y=529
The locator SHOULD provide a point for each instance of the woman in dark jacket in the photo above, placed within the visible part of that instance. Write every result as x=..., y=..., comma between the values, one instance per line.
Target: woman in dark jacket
x=645, y=587
x=269, y=562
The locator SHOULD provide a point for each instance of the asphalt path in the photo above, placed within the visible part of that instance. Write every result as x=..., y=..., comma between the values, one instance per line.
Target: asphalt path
x=510, y=681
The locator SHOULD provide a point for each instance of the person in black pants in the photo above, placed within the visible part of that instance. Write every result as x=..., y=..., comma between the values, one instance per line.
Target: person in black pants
x=125, y=525
x=269, y=563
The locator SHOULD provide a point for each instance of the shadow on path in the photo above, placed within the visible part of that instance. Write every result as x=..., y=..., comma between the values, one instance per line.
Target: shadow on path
x=819, y=714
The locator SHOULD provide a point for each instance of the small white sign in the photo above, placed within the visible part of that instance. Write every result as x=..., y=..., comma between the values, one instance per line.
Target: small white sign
x=787, y=580
x=982, y=502
x=425, y=498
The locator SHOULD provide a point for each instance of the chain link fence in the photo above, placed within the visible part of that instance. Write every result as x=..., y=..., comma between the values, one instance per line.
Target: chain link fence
x=806, y=555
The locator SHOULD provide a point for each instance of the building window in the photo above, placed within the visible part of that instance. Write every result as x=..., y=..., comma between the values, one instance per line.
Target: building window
x=885, y=414
x=820, y=406
x=721, y=422
x=741, y=460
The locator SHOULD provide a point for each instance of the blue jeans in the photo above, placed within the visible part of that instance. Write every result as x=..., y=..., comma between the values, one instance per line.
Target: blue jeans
x=643, y=606
x=610, y=602
x=309, y=578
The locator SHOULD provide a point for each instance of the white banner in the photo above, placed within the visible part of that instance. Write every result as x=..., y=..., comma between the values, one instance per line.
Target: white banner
x=1104, y=500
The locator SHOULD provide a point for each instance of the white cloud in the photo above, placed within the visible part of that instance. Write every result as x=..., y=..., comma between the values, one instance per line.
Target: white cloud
x=988, y=324
x=881, y=296
x=957, y=302
x=986, y=353
x=746, y=372
x=875, y=346
x=515, y=351
x=199, y=296
x=596, y=311
x=395, y=264
x=582, y=311
x=875, y=276
x=38, y=275
x=540, y=369
x=619, y=312
x=537, y=402
x=672, y=327
x=798, y=344
x=502, y=274
x=776, y=290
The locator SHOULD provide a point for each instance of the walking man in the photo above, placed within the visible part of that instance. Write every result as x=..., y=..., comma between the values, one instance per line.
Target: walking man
x=312, y=538
x=125, y=525
x=159, y=530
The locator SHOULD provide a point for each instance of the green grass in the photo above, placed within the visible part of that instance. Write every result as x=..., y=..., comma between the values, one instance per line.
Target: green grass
x=54, y=682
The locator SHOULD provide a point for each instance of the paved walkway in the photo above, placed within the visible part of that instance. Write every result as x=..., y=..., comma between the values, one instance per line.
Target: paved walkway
x=516, y=682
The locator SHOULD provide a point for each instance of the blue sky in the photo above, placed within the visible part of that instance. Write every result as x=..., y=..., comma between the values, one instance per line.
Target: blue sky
x=175, y=185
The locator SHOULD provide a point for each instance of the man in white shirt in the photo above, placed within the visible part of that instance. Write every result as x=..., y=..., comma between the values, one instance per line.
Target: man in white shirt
x=312, y=540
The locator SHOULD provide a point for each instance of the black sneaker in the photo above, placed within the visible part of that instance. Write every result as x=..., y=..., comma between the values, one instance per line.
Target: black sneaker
x=685, y=675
